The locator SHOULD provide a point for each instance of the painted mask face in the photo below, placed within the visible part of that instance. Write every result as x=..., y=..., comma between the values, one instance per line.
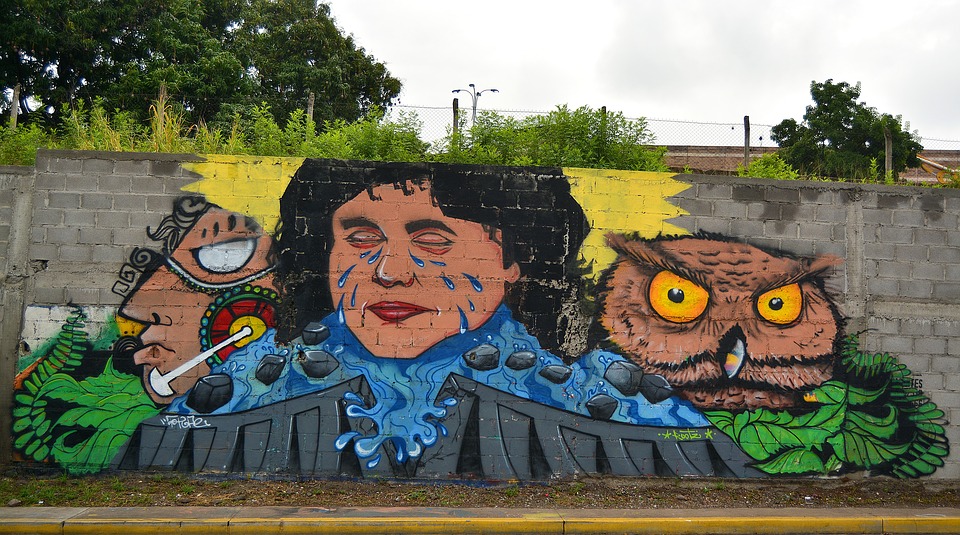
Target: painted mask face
x=222, y=251
x=406, y=276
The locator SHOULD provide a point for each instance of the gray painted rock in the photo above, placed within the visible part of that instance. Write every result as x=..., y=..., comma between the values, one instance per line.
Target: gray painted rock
x=601, y=406
x=315, y=333
x=625, y=376
x=210, y=393
x=270, y=367
x=521, y=360
x=555, y=373
x=483, y=357
x=318, y=363
x=655, y=388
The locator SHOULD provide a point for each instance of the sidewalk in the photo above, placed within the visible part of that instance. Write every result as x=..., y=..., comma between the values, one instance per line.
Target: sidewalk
x=426, y=520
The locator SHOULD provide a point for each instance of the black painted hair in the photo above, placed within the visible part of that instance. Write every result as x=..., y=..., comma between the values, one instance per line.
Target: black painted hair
x=542, y=228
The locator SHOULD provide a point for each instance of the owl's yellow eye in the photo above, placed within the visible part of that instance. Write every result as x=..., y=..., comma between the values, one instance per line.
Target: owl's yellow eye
x=781, y=305
x=677, y=299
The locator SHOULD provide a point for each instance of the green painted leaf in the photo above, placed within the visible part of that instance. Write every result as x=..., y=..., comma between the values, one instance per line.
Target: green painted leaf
x=793, y=461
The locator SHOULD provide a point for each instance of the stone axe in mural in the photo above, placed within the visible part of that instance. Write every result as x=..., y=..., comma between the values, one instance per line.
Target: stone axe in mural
x=160, y=382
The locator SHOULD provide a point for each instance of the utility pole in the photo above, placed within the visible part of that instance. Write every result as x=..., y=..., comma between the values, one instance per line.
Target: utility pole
x=14, y=107
x=456, y=117
x=746, y=141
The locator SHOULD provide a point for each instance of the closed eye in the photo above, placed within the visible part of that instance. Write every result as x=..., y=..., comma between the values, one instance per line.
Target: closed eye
x=365, y=238
x=433, y=242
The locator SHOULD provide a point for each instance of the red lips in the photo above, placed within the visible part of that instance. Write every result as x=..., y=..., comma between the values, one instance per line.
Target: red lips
x=396, y=311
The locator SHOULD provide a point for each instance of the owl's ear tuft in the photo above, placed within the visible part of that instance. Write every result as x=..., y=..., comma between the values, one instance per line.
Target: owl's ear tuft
x=638, y=250
x=817, y=266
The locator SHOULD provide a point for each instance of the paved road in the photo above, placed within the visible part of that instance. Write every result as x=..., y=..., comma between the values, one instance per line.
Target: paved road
x=429, y=520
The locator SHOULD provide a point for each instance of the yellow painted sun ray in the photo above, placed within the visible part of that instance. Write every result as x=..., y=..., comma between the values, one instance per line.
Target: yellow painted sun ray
x=249, y=185
x=623, y=201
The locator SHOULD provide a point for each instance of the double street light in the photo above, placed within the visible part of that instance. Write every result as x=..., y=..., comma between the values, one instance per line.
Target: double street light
x=474, y=95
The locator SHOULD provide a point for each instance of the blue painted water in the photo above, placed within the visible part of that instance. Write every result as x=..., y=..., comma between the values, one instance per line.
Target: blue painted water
x=407, y=408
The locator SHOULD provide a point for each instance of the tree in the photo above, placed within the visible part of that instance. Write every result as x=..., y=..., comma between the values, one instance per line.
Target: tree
x=843, y=138
x=216, y=57
x=583, y=137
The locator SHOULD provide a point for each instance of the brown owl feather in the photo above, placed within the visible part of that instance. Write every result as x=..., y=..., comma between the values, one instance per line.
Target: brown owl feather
x=727, y=324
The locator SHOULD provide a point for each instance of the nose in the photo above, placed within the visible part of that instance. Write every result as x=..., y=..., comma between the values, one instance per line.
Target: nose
x=146, y=304
x=394, y=270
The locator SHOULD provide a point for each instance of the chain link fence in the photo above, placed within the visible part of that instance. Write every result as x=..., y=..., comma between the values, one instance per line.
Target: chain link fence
x=437, y=122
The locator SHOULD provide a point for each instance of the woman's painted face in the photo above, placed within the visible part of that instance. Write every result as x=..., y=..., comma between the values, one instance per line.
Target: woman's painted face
x=406, y=276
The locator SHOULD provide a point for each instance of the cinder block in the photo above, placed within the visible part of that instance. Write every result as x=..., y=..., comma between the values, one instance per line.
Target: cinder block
x=48, y=296
x=97, y=166
x=113, y=219
x=879, y=251
x=877, y=217
x=82, y=296
x=60, y=165
x=831, y=214
x=746, y=229
x=908, y=218
x=61, y=235
x=781, y=194
x=732, y=210
x=918, y=289
x=146, y=184
x=166, y=168
x=883, y=287
x=76, y=253
x=894, y=202
x=781, y=229
x=799, y=247
x=815, y=231
x=96, y=236
x=79, y=218
x=57, y=199
x=132, y=167
x=929, y=237
x=48, y=216
x=896, y=235
x=44, y=251
x=818, y=196
x=133, y=203
x=948, y=329
x=50, y=182
x=949, y=255
x=96, y=201
x=38, y=235
x=741, y=192
x=714, y=191
x=947, y=291
x=81, y=183
x=130, y=237
x=162, y=204
x=946, y=364
x=114, y=184
x=925, y=271
x=916, y=327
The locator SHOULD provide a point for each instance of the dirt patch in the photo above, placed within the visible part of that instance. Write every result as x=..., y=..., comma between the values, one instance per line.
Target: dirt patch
x=591, y=492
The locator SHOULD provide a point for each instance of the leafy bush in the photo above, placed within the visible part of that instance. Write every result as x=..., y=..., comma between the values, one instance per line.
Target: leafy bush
x=768, y=166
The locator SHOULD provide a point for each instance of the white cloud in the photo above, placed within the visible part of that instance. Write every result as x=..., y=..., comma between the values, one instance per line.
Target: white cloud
x=696, y=60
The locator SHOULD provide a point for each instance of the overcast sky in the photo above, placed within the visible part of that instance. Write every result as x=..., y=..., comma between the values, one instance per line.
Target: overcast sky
x=695, y=60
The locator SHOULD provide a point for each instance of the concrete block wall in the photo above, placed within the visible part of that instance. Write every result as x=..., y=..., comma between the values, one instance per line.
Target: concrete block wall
x=899, y=282
x=900, y=279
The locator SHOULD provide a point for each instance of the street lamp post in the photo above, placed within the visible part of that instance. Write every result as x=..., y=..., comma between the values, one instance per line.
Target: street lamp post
x=474, y=95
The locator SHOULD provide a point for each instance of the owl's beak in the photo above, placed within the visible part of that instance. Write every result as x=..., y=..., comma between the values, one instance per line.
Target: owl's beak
x=735, y=358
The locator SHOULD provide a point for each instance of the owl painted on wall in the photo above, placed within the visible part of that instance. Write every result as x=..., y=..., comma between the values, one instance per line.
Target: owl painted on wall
x=728, y=325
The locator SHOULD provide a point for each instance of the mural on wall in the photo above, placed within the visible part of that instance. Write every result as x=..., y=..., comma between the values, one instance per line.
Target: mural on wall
x=426, y=320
